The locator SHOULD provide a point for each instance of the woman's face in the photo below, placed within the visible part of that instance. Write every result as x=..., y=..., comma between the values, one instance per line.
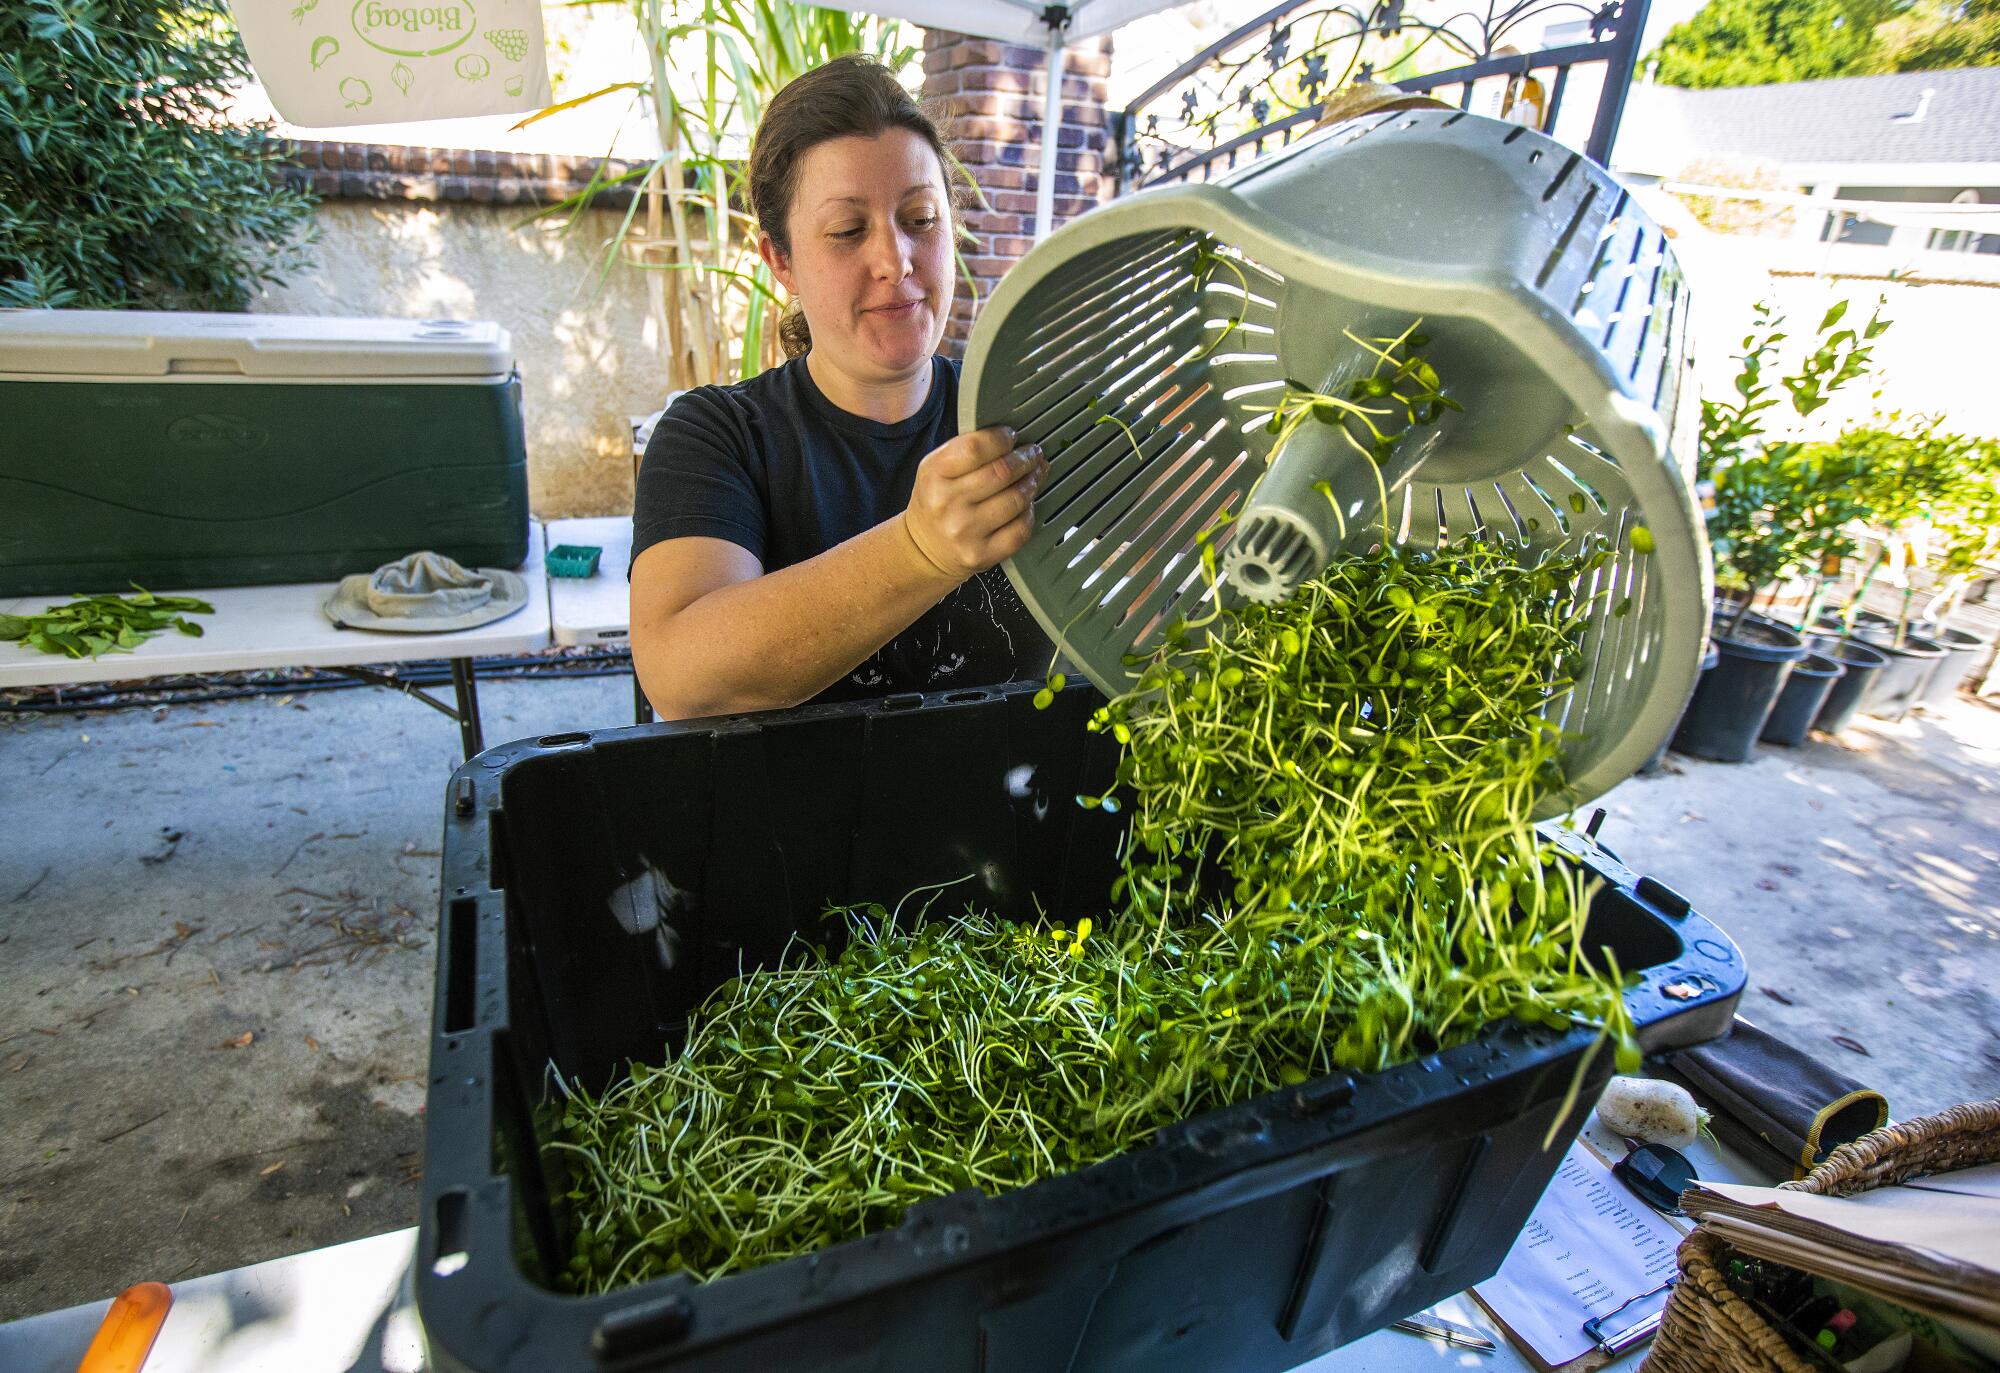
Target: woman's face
x=871, y=259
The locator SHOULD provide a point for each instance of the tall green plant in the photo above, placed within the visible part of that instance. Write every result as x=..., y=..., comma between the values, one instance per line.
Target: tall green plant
x=713, y=67
x=1736, y=425
x=1918, y=484
x=1968, y=537
x=123, y=182
x=1779, y=507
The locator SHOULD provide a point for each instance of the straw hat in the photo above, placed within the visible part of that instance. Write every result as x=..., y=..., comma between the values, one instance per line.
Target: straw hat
x=1372, y=97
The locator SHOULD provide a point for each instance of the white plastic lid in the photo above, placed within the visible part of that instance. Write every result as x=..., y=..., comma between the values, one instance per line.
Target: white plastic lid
x=57, y=344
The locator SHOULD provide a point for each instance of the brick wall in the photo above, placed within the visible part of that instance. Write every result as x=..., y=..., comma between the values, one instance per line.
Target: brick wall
x=382, y=171
x=995, y=92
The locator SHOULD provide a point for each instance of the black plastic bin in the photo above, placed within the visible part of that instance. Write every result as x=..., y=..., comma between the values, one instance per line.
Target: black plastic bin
x=1799, y=702
x=597, y=886
x=1863, y=663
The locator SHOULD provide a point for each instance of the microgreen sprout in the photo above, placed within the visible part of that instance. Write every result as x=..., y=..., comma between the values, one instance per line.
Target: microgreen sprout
x=1402, y=392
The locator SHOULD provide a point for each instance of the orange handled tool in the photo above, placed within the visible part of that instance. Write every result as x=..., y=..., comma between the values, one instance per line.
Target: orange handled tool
x=126, y=1336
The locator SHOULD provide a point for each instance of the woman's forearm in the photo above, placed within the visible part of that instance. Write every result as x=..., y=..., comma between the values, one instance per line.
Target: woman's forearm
x=779, y=639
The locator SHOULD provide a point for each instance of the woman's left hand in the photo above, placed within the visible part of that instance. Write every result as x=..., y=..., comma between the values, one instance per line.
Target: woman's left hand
x=974, y=500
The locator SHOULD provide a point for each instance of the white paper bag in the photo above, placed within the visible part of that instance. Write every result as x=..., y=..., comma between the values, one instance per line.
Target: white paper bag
x=334, y=62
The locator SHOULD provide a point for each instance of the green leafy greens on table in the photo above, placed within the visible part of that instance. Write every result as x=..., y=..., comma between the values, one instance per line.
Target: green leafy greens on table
x=91, y=626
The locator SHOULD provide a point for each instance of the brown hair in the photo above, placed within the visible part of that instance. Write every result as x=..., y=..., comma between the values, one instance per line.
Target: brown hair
x=853, y=95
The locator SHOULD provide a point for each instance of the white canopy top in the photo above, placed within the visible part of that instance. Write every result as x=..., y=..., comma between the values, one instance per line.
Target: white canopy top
x=1017, y=21
x=1049, y=26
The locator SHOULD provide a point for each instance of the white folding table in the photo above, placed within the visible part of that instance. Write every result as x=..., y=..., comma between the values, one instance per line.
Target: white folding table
x=596, y=609
x=283, y=626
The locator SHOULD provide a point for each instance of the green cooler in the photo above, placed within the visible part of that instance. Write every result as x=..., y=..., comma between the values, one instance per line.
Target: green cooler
x=197, y=450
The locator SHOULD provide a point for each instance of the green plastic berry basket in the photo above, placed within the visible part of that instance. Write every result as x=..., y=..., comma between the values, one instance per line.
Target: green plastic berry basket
x=573, y=560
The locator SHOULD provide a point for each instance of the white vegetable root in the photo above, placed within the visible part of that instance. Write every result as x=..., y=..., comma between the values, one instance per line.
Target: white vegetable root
x=1646, y=1108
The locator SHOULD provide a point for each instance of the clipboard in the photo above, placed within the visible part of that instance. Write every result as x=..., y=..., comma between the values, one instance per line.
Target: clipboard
x=1612, y=1344
x=1613, y=1334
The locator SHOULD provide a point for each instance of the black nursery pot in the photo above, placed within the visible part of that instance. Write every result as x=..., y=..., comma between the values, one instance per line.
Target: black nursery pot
x=1961, y=654
x=1909, y=670
x=1798, y=705
x=1735, y=696
x=1845, y=695
x=1865, y=621
x=1659, y=758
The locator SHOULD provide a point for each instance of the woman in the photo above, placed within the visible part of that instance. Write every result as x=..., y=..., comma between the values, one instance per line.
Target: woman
x=823, y=531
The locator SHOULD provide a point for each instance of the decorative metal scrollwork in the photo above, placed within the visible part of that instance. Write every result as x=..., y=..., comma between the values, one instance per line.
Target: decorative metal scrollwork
x=1267, y=82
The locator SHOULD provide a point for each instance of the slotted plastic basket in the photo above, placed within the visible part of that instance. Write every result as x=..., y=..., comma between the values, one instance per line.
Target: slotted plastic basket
x=1145, y=344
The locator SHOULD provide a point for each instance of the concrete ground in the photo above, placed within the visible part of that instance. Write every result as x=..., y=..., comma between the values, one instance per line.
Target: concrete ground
x=1861, y=878
x=217, y=935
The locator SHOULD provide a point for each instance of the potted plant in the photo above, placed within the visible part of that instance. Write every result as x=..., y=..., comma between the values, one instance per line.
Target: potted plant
x=1775, y=507
x=1909, y=478
x=1812, y=512
x=1967, y=539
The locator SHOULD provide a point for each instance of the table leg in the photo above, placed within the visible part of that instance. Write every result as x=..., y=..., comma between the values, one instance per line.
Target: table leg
x=642, y=709
x=465, y=686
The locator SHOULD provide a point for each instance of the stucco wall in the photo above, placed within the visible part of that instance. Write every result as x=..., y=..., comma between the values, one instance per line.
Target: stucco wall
x=1936, y=358
x=589, y=359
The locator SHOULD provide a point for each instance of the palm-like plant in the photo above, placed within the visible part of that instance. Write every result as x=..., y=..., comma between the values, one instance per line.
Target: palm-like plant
x=713, y=66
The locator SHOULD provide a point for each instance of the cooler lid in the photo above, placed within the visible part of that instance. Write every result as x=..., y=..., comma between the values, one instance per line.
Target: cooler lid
x=133, y=344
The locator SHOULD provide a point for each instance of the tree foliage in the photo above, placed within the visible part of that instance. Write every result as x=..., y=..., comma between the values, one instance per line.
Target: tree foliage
x=1754, y=42
x=123, y=183
x=1943, y=36
x=1757, y=42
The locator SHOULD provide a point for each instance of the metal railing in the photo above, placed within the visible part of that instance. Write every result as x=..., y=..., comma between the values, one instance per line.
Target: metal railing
x=1254, y=91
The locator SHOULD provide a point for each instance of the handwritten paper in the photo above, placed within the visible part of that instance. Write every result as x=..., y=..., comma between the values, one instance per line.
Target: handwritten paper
x=1589, y=1247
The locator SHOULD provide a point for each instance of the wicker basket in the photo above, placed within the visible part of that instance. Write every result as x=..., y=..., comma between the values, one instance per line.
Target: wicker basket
x=1709, y=1329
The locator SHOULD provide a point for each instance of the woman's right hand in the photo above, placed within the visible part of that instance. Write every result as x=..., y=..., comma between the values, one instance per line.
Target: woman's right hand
x=973, y=503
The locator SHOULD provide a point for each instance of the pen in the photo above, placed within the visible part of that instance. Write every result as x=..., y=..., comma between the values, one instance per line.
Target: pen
x=1450, y=1332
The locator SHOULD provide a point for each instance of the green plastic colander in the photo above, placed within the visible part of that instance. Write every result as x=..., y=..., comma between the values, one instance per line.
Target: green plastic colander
x=1556, y=317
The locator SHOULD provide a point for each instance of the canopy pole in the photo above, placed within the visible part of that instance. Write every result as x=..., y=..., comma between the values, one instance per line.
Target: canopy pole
x=1045, y=190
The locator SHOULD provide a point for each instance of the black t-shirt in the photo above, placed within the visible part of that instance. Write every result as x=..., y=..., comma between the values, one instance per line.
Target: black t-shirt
x=773, y=465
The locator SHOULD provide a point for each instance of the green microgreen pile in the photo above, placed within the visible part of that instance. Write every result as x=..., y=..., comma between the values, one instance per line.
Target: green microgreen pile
x=1380, y=733
x=814, y=1102
x=90, y=626
x=1331, y=864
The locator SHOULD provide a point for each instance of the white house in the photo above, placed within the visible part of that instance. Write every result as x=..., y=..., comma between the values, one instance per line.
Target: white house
x=1903, y=161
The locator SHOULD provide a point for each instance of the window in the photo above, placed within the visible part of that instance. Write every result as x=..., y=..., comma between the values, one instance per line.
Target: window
x=1963, y=240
